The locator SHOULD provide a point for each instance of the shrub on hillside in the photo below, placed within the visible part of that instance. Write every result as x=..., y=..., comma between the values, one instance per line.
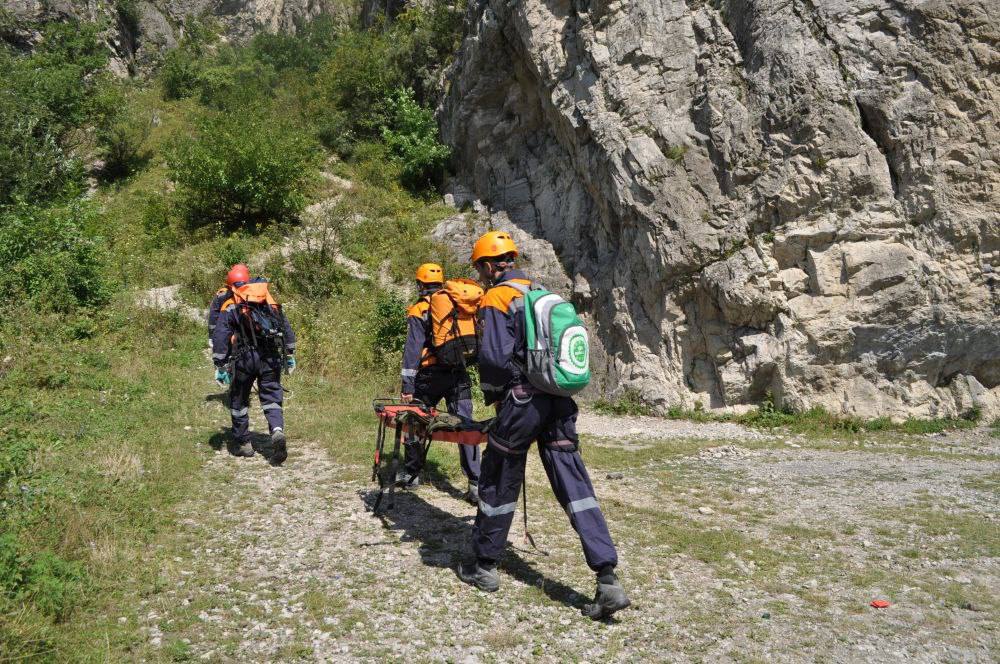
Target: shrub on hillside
x=358, y=80
x=305, y=50
x=179, y=73
x=413, y=137
x=34, y=166
x=386, y=329
x=181, y=68
x=242, y=171
x=121, y=130
x=44, y=97
x=52, y=258
x=425, y=37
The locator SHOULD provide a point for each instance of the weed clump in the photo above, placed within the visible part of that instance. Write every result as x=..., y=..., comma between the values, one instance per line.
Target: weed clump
x=630, y=402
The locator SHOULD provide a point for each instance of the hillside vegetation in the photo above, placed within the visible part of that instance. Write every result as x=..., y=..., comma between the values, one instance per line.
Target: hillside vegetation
x=110, y=187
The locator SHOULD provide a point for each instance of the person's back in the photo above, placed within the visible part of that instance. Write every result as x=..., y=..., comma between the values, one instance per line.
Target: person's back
x=237, y=273
x=426, y=379
x=526, y=414
x=253, y=343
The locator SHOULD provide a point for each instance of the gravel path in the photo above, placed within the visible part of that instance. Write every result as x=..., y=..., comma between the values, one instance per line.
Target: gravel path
x=729, y=553
x=610, y=426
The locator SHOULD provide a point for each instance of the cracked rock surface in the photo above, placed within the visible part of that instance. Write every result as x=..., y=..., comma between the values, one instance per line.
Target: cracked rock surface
x=786, y=197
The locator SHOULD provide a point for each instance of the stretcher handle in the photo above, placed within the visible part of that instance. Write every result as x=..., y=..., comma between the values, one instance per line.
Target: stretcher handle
x=380, y=403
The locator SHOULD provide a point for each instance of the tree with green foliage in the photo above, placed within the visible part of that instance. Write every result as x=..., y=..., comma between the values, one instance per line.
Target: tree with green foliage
x=413, y=138
x=242, y=170
x=120, y=129
x=44, y=98
x=358, y=80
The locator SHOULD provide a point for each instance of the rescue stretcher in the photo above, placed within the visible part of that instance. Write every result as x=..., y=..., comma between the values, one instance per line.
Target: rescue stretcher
x=425, y=425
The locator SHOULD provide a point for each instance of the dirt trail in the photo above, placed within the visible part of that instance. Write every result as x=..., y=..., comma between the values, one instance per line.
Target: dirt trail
x=729, y=552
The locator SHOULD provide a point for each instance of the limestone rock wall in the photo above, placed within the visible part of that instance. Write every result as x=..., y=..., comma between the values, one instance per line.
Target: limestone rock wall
x=752, y=196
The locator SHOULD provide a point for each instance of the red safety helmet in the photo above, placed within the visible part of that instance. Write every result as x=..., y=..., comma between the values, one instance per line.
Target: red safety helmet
x=238, y=273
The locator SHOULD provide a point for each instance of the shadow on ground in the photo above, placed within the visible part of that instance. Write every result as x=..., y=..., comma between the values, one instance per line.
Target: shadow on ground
x=261, y=442
x=443, y=539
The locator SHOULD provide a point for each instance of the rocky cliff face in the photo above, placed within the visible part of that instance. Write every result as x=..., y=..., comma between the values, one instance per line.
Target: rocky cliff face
x=752, y=196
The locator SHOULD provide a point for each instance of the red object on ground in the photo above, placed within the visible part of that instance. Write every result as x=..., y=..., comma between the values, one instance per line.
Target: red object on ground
x=880, y=604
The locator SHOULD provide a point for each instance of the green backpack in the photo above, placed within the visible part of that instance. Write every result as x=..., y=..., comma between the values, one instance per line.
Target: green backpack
x=558, y=356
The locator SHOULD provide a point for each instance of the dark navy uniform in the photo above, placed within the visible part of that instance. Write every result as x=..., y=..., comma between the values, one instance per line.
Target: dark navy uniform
x=524, y=415
x=261, y=364
x=429, y=382
x=215, y=308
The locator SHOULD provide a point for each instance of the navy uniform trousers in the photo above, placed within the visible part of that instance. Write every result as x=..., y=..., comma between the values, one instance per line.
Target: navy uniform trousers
x=265, y=370
x=527, y=415
x=452, y=385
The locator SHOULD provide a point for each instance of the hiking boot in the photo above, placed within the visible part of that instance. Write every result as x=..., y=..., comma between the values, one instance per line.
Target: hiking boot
x=404, y=480
x=280, y=449
x=240, y=448
x=609, y=598
x=484, y=578
x=472, y=495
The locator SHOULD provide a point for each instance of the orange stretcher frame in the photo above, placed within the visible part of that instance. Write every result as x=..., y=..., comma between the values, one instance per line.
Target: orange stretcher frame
x=412, y=420
x=390, y=415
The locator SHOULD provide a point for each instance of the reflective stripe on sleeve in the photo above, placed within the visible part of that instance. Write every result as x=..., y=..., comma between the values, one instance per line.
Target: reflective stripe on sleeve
x=497, y=511
x=408, y=373
x=218, y=356
x=581, y=505
x=487, y=387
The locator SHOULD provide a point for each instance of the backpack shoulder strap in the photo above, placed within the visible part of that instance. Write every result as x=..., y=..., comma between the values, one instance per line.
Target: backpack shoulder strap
x=521, y=288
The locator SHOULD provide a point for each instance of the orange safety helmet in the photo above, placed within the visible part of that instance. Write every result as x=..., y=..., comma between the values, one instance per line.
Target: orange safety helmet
x=430, y=273
x=238, y=273
x=493, y=244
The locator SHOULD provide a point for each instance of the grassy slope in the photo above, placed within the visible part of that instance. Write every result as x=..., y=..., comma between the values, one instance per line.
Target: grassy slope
x=115, y=401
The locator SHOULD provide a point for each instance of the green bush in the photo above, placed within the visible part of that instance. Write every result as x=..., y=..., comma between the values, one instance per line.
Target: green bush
x=630, y=402
x=242, y=171
x=232, y=80
x=53, y=584
x=121, y=131
x=412, y=137
x=52, y=258
x=45, y=97
x=387, y=328
x=306, y=50
x=425, y=37
x=358, y=80
x=179, y=74
x=181, y=68
x=34, y=167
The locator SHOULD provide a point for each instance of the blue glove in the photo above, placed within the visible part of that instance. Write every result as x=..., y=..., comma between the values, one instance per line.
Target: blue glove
x=290, y=363
x=222, y=377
